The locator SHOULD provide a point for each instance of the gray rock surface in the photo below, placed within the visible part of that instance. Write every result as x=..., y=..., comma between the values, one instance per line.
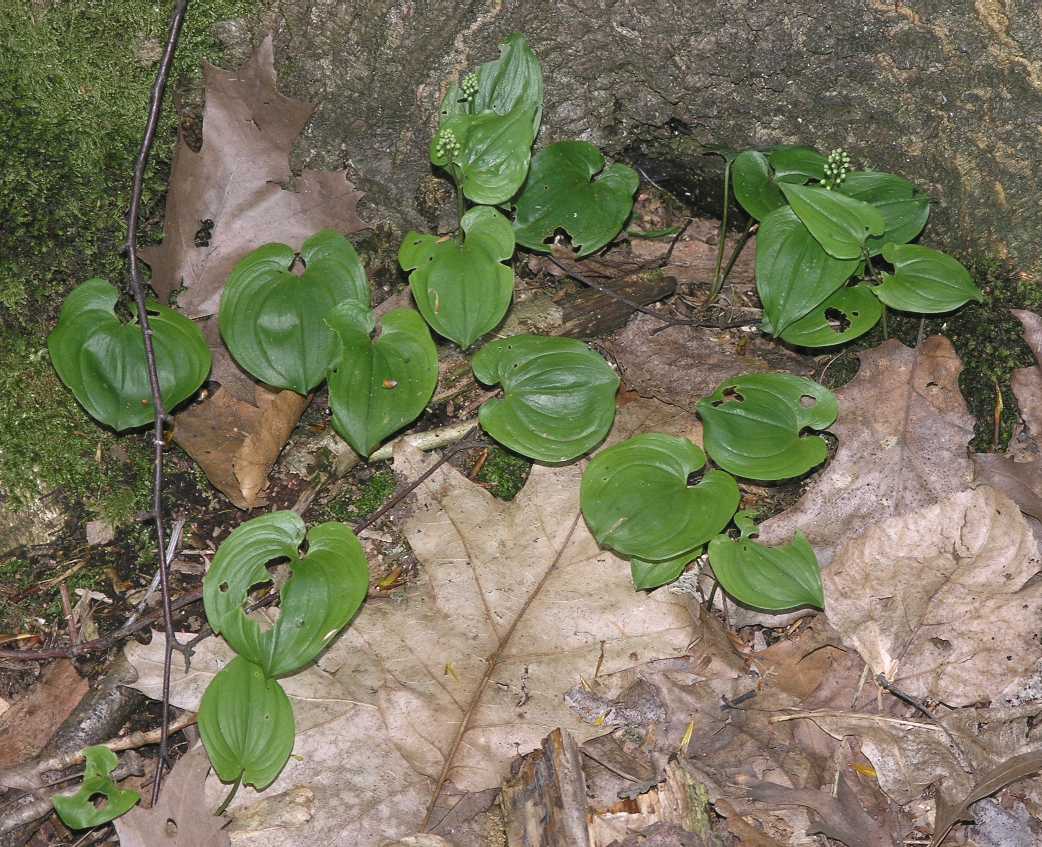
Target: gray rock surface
x=946, y=93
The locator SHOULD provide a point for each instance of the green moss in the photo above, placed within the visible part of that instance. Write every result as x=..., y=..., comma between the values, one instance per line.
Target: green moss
x=48, y=443
x=75, y=78
x=366, y=498
x=504, y=472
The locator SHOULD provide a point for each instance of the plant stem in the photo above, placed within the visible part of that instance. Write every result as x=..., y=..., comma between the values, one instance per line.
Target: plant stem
x=718, y=281
x=155, y=107
x=231, y=796
x=461, y=204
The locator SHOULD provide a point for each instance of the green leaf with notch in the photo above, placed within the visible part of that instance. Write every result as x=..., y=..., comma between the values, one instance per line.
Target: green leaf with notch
x=774, y=579
x=273, y=322
x=102, y=360
x=840, y=223
x=793, y=273
x=246, y=723
x=754, y=185
x=461, y=287
x=377, y=387
x=647, y=575
x=925, y=281
x=796, y=164
x=326, y=587
x=77, y=811
x=636, y=498
x=492, y=155
x=559, y=396
x=562, y=192
x=752, y=425
x=513, y=80
x=903, y=206
x=856, y=306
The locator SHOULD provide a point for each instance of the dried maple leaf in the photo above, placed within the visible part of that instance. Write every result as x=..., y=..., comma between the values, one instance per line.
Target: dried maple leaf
x=233, y=195
x=516, y=604
x=942, y=601
x=902, y=429
x=182, y=818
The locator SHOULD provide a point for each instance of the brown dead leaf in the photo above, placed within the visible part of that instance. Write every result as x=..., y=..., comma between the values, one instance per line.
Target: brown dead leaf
x=683, y=364
x=234, y=194
x=902, y=429
x=694, y=256
x=182, y=817
x=516, y=604
x=1027, y=382
x=911, y=754
x=235, y=442
x=1018, y=474
x=27, y=726
x=841, y=818
x=940, y=601
x=1020, y=481
x=1013, y=769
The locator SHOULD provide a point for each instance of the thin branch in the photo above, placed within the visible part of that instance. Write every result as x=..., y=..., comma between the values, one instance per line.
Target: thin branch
x=155, y=108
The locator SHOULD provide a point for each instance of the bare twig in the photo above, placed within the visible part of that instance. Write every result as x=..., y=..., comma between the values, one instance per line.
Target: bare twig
x=100, y=644
x=667, y=322
x=155, y=108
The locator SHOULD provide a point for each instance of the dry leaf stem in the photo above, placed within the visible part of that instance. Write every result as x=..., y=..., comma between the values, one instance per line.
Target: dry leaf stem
x=155, y=108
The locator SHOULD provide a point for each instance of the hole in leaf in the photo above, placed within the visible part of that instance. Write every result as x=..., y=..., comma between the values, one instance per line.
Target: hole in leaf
x=932, y=384
x=98, y=800
x=837, y=320
x=806, y=401
x=170, y=828
x=732, y=393
x=223, y=587
x=204, y=233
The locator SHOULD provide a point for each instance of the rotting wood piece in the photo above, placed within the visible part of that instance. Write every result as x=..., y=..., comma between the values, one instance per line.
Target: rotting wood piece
x=544, y=804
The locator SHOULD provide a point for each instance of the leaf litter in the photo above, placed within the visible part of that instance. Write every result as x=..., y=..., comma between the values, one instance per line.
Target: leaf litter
x=426, y=700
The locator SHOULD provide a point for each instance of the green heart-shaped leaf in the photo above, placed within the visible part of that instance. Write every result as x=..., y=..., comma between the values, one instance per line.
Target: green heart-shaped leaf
x=840, y=223
x=562, y=193
x=246, y=723
x=752, y=425
x=78, y=810
x=559, y=396
x=377, y=387
x=796, y=164
x=273, y=322
x=793, y=273
x=102, y=360
x=926, y=281
x=487, y=154
x=636, y=498
x=903, y=206
x=462, y=288
x=856, y=306
x=774, y=579
x=326, y=587
x=513, y=80
x=647, y=575
x=754, y=185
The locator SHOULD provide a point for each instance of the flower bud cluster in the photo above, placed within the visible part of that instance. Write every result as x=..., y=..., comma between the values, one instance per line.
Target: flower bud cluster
x=469, y=86
x=446, y=145
x=836, y=168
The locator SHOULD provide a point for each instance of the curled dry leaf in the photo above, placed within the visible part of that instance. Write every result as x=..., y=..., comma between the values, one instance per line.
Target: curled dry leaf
x=514, y=598
x=236, y=442
x=941, y=600
x=232, y=196
x=1021, y=479
x=182, y=817
x=902, y=431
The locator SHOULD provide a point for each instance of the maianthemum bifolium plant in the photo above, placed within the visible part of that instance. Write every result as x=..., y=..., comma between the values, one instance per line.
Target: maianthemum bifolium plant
x=820, y=227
